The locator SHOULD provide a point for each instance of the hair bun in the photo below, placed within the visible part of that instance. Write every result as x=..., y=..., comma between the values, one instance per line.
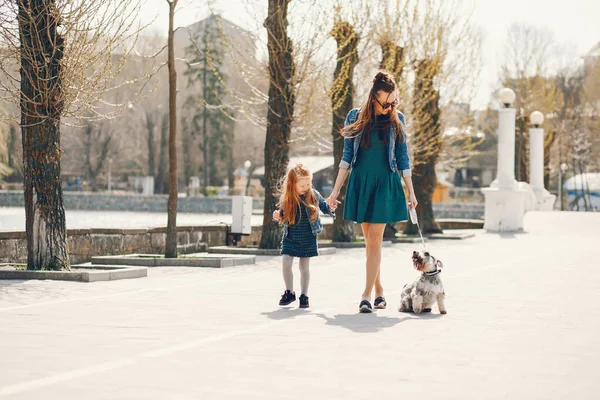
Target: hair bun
x=380, y=77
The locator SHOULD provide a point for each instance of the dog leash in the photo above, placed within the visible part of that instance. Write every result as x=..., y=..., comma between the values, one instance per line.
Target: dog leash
x=413, y=217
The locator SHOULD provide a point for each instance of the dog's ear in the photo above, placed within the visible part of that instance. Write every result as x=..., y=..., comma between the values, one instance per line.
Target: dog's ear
x=439, y=264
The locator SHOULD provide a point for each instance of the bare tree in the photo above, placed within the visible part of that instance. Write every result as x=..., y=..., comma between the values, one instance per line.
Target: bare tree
x=342, y=94
x=279, y=116
x=207, y=104
x=393, y=60
x=5, y=150
x=528, y=56
x=427, y=142
x=162, y=179
x=14, y=154
x=171, y=242
x=97, y=141
x=433, y=48
x=150, y=127
x=56, y=60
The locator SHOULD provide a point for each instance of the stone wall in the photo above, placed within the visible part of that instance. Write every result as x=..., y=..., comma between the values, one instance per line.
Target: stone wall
x=132, y=202
x=86, y=243
x=459, y=210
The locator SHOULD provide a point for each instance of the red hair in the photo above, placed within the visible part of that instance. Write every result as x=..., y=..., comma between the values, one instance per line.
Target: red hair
x=290, y=200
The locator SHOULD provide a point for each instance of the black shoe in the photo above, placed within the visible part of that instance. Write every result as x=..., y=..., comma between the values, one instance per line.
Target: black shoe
x=426, y=310
x=287, y=298
x=304, y=301
x=380, y=303
x=365, y=307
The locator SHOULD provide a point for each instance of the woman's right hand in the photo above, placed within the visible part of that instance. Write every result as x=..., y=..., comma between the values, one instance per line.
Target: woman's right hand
x=412, y=200
x=276, y=216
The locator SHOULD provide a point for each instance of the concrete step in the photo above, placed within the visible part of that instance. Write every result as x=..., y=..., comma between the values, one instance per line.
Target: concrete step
x=188, y=260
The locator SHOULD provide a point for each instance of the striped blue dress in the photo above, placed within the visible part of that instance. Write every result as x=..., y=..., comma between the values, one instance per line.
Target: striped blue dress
x=300, y=241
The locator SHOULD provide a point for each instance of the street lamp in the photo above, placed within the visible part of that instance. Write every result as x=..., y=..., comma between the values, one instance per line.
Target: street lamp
x=507, y=97
x=536, y=154
x=536, y=118
x=504, y=199
x=506, y=140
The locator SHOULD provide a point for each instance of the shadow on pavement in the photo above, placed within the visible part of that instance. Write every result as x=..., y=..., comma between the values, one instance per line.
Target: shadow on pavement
x=364, y=323
x=286, y=313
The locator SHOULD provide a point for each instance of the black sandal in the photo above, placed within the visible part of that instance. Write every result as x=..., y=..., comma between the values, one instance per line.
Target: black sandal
x=380, y=303
x=365, y=307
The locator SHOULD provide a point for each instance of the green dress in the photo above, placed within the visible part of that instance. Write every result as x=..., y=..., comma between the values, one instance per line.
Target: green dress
x=374, y=192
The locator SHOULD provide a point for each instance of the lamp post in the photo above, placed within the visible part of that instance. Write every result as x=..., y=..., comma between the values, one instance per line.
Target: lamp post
x=506, y=140
x=536, y=152
x=505, y=204
x=544, y=200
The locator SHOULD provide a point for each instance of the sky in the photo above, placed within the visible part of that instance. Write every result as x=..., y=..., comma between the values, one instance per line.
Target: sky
x=574, y=24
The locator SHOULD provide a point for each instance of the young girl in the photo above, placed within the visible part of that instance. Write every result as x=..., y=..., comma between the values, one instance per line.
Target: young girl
x=299, y=214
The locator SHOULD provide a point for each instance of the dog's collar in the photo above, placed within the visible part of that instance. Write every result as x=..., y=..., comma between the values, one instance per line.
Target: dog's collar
x=437, y=270
x=433, y=273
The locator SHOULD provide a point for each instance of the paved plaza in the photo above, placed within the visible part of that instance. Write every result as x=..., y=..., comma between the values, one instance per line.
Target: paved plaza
x=523, y=323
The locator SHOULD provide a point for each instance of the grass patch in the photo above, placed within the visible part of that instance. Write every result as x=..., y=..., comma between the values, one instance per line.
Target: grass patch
x=13, y=267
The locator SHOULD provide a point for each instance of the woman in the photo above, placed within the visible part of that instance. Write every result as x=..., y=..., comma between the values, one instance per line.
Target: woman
x=376, y=152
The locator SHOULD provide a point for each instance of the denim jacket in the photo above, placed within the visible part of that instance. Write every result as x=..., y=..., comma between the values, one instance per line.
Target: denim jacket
x=397, y=152
x=316, y=225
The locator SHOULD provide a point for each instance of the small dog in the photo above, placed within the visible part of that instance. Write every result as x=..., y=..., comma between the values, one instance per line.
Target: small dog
x=420, y=295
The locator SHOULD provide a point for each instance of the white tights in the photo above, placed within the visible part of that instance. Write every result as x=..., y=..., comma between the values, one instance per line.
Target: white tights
x=288, y=275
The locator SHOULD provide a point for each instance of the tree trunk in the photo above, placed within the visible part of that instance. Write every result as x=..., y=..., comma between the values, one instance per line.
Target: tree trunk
x=12, y=147
x=392, y=60
x=102, y=157
x=94, y=182
x=171, y=242
x=231, y=170
x=212, y=162
x=186, y=142
x=161, y=182
x=87, y=167
x=151, y=151
x=205, y=144
x=427, y=142
x=342, y=93
x=91, y=171
x=279, y=115
x=41, y=54
x=548, y=143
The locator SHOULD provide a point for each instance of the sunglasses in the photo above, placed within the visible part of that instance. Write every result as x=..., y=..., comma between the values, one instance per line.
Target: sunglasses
x=385, y=106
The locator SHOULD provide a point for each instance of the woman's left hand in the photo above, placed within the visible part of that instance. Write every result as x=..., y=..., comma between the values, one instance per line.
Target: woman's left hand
x=332, y=200
x=412, y=200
